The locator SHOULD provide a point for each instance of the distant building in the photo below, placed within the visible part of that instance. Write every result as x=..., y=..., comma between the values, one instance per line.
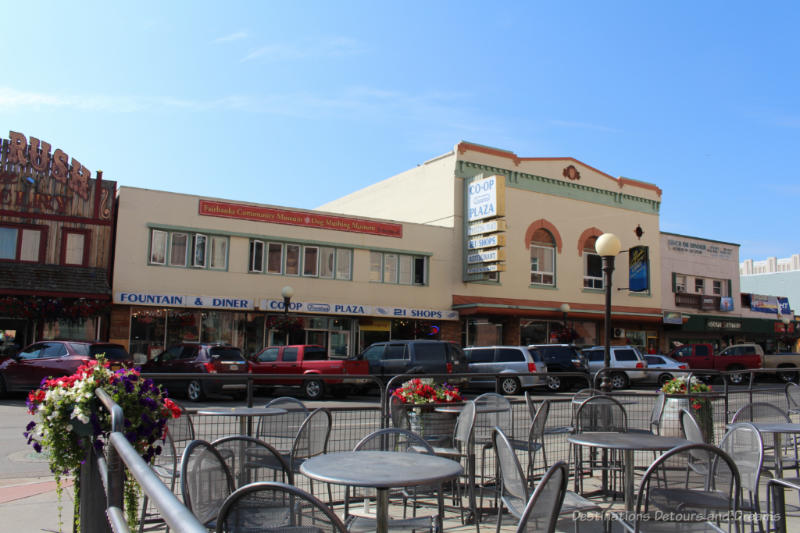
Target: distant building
x=773, y=276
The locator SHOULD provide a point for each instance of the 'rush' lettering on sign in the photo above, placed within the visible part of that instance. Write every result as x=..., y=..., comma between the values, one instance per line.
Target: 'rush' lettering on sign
x=34, y=157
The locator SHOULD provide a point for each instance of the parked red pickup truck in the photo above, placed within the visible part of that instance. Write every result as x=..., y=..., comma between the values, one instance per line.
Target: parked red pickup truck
x=702, y=357
x=310, y=360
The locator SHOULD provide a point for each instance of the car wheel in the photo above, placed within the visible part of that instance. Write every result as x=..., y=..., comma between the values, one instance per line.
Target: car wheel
x=619, y=381
x=314, y=389
x=554, y=383
x=194, y=391
x=787, y=377
x=664, y=378
x=738, y=377
x=509, y=386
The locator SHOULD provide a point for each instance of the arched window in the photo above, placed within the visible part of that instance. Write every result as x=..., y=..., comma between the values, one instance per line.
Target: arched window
x=543, y=257
x=592, y=266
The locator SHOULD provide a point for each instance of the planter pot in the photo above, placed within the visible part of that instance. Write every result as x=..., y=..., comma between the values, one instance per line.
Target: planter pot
x=432, y=425
x=671, y=421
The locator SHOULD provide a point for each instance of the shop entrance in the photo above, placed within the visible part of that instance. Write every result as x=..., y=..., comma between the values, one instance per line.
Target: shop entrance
x=14, y=335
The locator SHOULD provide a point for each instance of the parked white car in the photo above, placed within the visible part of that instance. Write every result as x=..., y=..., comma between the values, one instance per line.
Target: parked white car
x=626, y=362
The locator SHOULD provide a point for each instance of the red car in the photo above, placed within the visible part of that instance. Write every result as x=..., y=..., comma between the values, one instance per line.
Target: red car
x=26, y=370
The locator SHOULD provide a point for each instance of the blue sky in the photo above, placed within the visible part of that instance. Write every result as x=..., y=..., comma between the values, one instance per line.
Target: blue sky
x=298, y=103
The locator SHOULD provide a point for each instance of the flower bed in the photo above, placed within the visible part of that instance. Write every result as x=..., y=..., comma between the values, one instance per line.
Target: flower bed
x=69, y=423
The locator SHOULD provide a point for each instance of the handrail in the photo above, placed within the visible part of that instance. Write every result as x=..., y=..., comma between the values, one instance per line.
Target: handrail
x=122, y=454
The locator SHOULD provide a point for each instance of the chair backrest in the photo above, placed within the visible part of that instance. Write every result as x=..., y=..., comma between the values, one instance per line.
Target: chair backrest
x=312, y=438
x=531, y=405
x=165, y=464
x=657, y=412
x=205, y=480
x=536, y=433
x=281, y=430
x=579, y=397
x=601, y=413
x=671, y=492
x=792, y=391
x=745, y=446
x=398, y=412
x=760, y=412
x=513, y=485
x=690, y=428
x=272, y=506
x=394, y=440
x=465, y=425
x=543, y=507
x=247, y=458
x=499, y=415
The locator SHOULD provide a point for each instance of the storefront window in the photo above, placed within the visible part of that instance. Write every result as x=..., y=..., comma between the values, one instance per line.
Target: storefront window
x=82, y=329
x=182, y=326
x=147, y=334
x=254, y=333
x=483, y=332
x=223, y=326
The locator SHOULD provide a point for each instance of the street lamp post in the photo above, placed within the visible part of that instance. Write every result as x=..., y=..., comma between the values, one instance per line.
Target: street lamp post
x=564, y=311
x=607, y=247
x=786, y=321
x=287, y=292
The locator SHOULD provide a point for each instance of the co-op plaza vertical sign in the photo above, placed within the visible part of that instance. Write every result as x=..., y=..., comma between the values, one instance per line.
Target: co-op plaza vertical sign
x=485, y=227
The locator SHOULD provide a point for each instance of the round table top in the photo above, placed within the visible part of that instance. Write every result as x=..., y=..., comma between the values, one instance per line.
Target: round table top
x=381, y=470
x=774, y=427
x=479, y=409
x=242, y=411
x=627, y=441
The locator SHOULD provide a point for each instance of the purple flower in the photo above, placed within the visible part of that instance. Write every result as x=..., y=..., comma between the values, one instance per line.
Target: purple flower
x=30, y=425
x=37, y=447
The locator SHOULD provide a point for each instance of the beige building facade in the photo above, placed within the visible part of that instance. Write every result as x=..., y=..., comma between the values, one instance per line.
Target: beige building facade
x=553, y=210
x=477, y=246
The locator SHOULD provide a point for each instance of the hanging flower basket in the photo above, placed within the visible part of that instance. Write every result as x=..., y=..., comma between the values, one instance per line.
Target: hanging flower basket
x=422, y=395
x=69, y=422
x=699, y=406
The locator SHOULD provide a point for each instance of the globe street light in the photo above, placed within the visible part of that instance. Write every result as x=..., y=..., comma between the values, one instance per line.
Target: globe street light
x=287, y=292
x=607, y=247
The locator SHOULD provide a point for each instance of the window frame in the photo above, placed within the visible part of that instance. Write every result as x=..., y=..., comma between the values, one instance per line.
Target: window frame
x=699, y=285
x=716, y=287
x=195, y=239
x=323, y=253
x=253, y=256
x=306, y=264
x=340, y=253
x=65, y=232
x=543, y=273
x=597, y=283
x=680, y=283
x=267, y=250
x=286, y=260
x=153, y=232
x=187, y=248
x=210, y=250
x=19, y=228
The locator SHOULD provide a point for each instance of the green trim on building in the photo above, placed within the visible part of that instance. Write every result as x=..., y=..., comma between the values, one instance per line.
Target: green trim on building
x=283, y=239
x=564, y=189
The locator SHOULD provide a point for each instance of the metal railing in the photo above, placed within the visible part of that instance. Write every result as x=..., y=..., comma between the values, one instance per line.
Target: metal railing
x=103, y=474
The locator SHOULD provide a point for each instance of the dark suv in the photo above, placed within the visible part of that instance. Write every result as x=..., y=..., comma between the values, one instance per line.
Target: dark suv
x=26, y=369
x=201, y=358
x=390, y=358
x=563, y=358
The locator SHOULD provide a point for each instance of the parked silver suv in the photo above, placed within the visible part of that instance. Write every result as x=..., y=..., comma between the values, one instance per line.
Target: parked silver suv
x=508, y=361
x=627, y=358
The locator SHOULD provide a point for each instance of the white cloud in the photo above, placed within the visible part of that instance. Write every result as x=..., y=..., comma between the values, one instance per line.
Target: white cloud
x=236, y=36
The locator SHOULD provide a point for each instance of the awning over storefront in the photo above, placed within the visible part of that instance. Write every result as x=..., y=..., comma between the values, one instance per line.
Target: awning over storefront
x=476, y=305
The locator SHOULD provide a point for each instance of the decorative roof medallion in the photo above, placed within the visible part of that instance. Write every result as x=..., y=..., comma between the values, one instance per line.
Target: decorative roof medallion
x=572, y=173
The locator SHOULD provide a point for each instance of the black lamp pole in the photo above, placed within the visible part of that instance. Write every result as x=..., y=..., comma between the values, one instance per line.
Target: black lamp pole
x=608, y=269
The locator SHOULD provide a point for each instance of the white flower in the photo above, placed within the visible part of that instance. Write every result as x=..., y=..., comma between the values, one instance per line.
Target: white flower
x=69, y=427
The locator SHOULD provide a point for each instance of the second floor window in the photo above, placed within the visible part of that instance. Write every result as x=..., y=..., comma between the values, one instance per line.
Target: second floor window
x=543, y=257
x=680, y=283
x=184, y=249
x=592, y=266
x=292, y=259
x=699, y=285
x=402, y=269
x=22, y=243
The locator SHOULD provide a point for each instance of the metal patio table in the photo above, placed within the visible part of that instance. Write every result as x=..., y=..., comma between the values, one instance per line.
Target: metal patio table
x=381, y=471
x=777, y=429
x=627, y=443
x=244, y=414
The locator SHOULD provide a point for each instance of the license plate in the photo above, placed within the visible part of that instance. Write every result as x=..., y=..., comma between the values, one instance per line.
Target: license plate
x=234, y=367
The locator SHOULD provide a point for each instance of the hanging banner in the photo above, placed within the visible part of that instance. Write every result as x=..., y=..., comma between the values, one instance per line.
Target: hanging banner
x=638, y=269
x=764, y=304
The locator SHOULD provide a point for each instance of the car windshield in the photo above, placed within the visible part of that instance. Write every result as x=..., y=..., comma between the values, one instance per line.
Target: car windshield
x=112, y=352
x=226, y=354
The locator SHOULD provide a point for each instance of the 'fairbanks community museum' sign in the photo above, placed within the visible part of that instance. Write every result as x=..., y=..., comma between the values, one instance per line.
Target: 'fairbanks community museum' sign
x=298, y=218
